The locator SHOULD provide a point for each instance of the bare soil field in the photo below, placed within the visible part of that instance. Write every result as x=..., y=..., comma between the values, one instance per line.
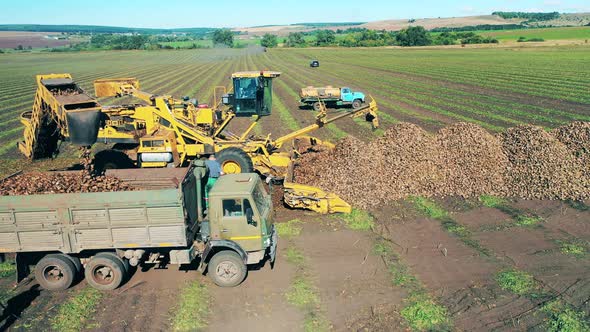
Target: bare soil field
x=12, y=39
x=355, y=285
x=432, y=23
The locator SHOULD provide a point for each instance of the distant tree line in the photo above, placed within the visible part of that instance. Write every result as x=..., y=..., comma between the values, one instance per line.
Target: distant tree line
x=359, y=37
x=529, y=16
x=223, y=37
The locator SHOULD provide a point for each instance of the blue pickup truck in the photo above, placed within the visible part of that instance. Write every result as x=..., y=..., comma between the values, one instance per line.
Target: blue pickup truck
x=331, y=97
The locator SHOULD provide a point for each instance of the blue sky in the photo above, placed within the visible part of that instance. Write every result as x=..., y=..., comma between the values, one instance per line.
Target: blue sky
x=232, y=13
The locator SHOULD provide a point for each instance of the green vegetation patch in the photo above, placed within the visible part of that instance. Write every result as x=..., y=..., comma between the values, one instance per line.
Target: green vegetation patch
x=578, y=205
x=400, y=275
x=7, y=269
x=562, y=318
x=576, y=248
x=76, y=313
x=359, y=220
x=528, y=220
x=428, y=207
x=290, y=228
x=193, y=309
x=302, y=294
x=492, y=201
x=515, y=281
x=294, y=256
x=423, y=314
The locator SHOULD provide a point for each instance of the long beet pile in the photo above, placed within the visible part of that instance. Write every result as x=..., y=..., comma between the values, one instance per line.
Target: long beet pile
x=460, y=160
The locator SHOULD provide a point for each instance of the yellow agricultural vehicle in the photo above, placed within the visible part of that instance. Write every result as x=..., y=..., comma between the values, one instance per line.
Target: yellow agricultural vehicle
x=164, y=131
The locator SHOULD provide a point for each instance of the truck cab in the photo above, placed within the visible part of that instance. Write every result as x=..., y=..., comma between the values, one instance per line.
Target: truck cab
x=353, y=97
x=240, y=219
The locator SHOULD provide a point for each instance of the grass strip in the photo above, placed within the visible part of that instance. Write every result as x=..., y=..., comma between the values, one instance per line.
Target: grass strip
x=193, y=309
x=432, y=210
x=521, y=217
x=358, y=220
x=288, y=229
x=77, y=312
x=302, y=293
x=421, y=311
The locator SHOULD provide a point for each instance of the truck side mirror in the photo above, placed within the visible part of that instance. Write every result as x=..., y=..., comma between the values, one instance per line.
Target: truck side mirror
x=250, y=217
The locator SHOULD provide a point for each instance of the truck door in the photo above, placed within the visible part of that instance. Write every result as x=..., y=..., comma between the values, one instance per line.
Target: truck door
x=235, y=226
x=346, y=95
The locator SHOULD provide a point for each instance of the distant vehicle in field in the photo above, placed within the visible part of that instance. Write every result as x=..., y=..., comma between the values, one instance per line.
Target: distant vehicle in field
x=332, y=97
x=314, y=63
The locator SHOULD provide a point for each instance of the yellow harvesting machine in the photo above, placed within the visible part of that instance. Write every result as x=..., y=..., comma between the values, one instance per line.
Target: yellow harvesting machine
x=163, y=131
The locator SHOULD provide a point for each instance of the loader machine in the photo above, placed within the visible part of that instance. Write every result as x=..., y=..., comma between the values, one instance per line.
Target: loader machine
x=164, y=131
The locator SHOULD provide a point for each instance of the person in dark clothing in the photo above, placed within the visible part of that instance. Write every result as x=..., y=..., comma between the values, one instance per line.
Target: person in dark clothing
x=215, y=172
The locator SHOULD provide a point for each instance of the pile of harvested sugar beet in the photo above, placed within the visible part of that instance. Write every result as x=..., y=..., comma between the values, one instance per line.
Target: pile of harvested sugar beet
x=84, y=181
x=460, y=160
x=58, y=183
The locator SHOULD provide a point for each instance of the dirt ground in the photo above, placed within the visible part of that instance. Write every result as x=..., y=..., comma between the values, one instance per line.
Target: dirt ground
x=353, y=284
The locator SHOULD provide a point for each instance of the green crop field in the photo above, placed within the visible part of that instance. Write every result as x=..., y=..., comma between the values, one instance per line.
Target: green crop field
x=495, y=88
x=563, y=33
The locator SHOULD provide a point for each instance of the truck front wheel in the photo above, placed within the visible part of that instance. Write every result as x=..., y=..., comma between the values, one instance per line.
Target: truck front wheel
x=227, y=269
x=357, y=103
x=55, y=272
x=317, y=106
x=104, y=272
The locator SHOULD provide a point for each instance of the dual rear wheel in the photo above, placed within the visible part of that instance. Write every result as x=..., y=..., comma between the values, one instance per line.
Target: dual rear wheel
x=104, y=271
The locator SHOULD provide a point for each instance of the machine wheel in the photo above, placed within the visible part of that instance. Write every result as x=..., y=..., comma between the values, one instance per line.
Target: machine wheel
x=111, y=159
x=235, y=160
x=357, y=103
x=317, y=106
x=227, y=269
x=104, y=272
x=55, y=272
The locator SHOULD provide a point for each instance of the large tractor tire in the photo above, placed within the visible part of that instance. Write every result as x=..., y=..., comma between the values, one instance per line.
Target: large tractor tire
x=111, y=159
x=234, y=160
x=105, y=272
x=55, y=272
x=227, y=269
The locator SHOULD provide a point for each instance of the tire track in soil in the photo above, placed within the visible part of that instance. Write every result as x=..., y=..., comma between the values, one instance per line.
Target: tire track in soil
x=145, y=302
x=350, y=279
x=457, y=275
x=465, y=281
x=537, y=250
x=259, y=303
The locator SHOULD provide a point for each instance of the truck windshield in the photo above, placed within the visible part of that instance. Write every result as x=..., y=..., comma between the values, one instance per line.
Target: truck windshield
x=261, y=198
